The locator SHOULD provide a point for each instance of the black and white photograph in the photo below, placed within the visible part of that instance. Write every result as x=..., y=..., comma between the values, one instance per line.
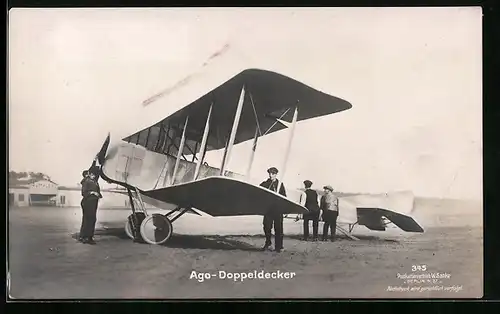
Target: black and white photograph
x=245, y=153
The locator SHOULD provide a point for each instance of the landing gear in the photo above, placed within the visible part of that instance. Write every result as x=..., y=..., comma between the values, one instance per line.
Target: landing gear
x=156, y=229
x=133, y=223
x=152, y=229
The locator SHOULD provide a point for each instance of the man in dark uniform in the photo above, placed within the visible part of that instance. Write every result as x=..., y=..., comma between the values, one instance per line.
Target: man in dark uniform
x=85, y=174
x=91, y=193
x=312, y=205
x=272, y=216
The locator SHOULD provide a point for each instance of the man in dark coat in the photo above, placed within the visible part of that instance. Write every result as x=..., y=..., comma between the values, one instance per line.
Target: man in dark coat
x=91, y=193
x=273, y=216
x=85, y=174
x=312, y=205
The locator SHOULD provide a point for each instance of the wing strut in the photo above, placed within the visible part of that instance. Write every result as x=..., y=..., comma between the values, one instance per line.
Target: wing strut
x=236, y=121
x=255, y=113
x=203, y=143
x=287, y=154
x=258, y=132
x=179, y=153
x=254, y=147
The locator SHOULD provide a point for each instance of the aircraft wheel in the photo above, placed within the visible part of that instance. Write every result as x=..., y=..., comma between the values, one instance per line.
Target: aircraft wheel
x=128, y=224
x=156, y=229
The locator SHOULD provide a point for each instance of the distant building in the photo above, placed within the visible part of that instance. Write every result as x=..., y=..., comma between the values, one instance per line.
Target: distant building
x=71, y=197
x=19, y=196
x=43, y=193
x=31, y=192
x=68, y=196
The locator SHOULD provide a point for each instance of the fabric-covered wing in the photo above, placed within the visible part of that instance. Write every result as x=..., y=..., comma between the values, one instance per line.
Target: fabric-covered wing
x=271, y=94
x=223, y=196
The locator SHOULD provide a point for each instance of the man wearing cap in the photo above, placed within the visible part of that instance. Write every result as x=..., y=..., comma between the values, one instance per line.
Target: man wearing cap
x=91, y=193
x=85, y=174
x=272, y=216
x=312, y=205
x=330, y=207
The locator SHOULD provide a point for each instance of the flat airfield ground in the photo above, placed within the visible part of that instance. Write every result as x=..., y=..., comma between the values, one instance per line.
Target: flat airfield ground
x=46, y=262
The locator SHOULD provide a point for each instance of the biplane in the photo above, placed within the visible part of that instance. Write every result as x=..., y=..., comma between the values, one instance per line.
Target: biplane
x=164, y=164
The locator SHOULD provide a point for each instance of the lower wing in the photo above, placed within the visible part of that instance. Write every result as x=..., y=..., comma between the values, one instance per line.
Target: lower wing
x=223, y=196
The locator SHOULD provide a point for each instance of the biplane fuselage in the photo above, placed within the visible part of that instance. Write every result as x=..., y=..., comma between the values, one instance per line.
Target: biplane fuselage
x=152, y=174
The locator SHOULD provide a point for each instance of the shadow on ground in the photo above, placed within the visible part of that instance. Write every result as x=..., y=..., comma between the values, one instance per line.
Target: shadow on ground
x=208, y=242
x=115, y=232
x=344, y=237
x=225, y=242
x=299, y=237
x=186, y=241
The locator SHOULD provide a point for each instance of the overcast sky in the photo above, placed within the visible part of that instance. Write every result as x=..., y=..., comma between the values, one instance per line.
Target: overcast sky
x=412, y=75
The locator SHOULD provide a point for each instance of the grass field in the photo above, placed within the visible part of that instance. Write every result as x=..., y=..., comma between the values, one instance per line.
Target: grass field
x=46, y=262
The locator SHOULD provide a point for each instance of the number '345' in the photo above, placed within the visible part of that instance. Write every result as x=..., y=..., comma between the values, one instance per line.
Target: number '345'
x=418, y=267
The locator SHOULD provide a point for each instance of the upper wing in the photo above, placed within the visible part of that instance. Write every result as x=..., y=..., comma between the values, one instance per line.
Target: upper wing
x=268, y=96
x=223, y=196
